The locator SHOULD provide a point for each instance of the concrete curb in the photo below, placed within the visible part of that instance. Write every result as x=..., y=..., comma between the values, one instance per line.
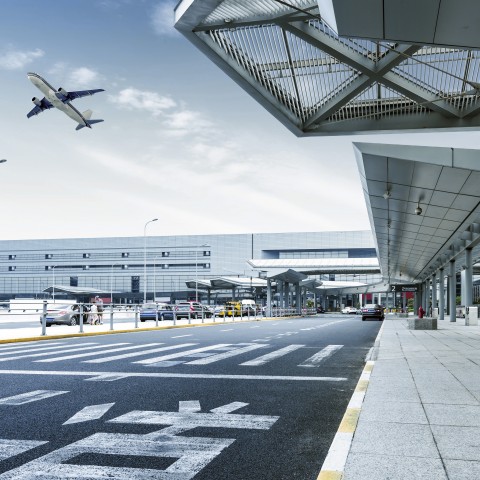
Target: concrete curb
x=334, y=465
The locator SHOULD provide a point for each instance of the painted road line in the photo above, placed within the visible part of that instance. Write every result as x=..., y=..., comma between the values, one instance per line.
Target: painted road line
x=149, y=361
x=137, y=354
x=321, y=356
x=101, y=375
x=91, y=354
x=271, y=356
x=223, y=356
x=15, y=346
x=334, y=464
x=190, y=454
x=92, y=412
x=29, y=397
x=189, y=406
x=231, y=407
x=180, y=336
x=10, y=448
x=56, y=352
x=39, y=349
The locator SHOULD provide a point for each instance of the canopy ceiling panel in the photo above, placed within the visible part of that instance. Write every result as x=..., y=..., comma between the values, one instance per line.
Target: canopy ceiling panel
x=319, y=83
x=424, y=208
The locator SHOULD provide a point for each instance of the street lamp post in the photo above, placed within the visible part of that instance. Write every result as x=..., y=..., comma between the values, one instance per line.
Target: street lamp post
x=53, y=286
x=196, y=270
x=111, y=283
x=145, y=259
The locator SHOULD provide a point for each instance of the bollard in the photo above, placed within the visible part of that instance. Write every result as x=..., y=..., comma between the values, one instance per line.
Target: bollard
x=111, y=317
x=44, y=318
x=136, y=316
x=203, y=315
x=224, y=312
x=189, y=318
x=174, y=316
x=81, y=318
x=156, y=314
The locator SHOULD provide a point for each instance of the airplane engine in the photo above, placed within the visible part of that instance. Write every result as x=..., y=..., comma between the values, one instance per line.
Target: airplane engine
x=63, y=92
x=37, y=102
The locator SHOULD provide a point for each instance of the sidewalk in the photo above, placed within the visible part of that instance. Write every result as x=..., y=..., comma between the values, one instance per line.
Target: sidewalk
x=420, y=417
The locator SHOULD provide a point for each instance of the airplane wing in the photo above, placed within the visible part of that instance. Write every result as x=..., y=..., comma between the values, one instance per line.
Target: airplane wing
x=83, y=93
x=44, y=105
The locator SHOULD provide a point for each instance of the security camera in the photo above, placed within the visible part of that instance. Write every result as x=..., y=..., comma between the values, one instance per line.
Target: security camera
x=418, y=210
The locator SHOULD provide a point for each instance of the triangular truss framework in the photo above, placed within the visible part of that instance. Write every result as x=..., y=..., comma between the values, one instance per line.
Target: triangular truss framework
x=318, y=83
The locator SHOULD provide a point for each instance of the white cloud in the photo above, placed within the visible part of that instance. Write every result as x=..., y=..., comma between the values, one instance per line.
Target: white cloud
x=163, y=18
x=186, y=122
x=83, y=76
x=15, y=59
x=134, y=99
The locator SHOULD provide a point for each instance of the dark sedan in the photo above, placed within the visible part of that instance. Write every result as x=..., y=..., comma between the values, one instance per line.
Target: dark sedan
x=372, y=310
x=148, y=311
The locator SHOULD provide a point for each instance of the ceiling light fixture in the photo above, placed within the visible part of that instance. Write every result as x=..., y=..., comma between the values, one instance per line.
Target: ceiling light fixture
x=418, y=210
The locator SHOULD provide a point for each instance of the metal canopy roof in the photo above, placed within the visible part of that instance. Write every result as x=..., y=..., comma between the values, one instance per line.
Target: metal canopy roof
x=290, y=276
x=444, y=183
x=221, y=283
x=76, y=290
x=317, y=83
x=439, y=22
x=319, y=266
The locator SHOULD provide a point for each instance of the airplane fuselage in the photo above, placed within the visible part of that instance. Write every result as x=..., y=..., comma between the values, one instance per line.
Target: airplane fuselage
x=57, y=99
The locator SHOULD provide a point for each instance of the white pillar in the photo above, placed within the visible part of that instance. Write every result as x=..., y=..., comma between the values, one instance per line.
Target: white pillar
x=451, y=292
x=441, y=295
x=468, y=278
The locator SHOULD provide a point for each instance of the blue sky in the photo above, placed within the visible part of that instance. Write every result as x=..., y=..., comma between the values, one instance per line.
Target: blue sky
x=181, y=141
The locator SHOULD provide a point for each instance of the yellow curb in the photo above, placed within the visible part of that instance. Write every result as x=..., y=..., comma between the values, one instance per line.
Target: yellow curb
x=111, y=332
x=361, y=386
x=330, y=475
x=368, y=367
x=349, y=420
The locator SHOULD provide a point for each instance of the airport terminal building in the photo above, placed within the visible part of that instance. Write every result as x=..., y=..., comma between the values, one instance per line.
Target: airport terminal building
x=124, y=268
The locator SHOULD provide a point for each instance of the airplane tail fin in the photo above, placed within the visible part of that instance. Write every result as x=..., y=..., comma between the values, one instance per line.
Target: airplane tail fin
x=87, y=114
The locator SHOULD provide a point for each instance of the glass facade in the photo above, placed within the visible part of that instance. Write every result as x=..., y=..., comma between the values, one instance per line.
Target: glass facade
x=28, y=267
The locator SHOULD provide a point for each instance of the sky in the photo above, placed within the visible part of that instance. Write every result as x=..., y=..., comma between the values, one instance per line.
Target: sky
x=180, y=141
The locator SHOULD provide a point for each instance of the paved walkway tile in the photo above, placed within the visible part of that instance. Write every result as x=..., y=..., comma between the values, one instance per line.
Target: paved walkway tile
x=458, y=443
x=388, y=467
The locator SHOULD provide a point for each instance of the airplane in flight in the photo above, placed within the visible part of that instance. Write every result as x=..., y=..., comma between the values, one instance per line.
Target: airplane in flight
x=61, y=99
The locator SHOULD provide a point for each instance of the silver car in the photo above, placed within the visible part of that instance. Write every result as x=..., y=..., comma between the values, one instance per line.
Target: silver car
x=63, y=315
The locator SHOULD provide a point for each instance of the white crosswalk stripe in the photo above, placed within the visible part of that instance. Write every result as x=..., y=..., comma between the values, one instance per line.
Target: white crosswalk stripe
x=29, y=397
x=271, y=356
x=321, y=356
x=41, y=349
x=183, y=354
x=224, y=355
x=137, y=354
x=91, y=354
x=162, y=358
x=76, y=349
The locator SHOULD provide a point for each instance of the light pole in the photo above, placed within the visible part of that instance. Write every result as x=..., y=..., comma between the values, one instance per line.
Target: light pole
x=196, y=270
x=53, y=286
x=111, y=284
x=145, y=259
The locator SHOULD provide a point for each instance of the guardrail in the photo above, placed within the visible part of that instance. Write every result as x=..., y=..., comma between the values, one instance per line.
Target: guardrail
x=116, y=315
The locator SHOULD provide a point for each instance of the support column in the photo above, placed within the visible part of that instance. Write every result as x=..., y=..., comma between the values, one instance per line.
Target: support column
x=451, y=292
x=298, y=298
x=287, y=295
x=441, y=295
x=434, y=291
x=269, y=298
x=468, y=278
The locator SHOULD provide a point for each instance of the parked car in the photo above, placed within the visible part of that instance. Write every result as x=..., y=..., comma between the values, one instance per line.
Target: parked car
x=192, y=309
x=148, y=311
x=350, y=310
x=62, y=315
x=373, y=310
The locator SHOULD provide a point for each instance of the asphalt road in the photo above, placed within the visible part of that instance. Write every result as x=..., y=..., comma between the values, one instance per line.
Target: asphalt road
x=253, y=400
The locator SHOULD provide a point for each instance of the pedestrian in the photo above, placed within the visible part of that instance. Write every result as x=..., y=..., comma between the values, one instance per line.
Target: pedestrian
x=99, y=304
x=421, y=312
x=93, y=314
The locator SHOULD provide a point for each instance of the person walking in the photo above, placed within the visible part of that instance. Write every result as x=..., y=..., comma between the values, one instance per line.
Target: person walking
x=99, y=304
x=93, y=314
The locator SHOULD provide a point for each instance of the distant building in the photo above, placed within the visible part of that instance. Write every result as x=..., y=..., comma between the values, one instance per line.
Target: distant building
x=117, y=265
